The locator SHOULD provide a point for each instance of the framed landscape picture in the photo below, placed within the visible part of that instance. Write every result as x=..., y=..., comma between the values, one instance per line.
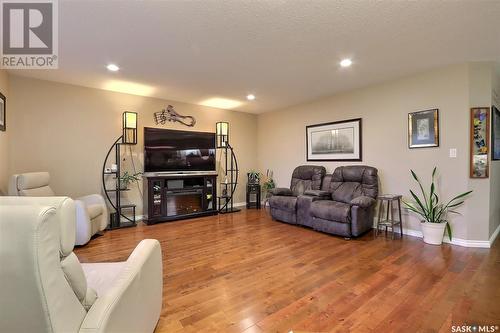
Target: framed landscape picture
x=423, y=129
x=495, y=134
x=479, y=142
x=3, y=121
x=335, y=141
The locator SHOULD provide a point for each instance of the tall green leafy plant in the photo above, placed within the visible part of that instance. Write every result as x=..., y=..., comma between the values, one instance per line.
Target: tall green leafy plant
x=430, y=208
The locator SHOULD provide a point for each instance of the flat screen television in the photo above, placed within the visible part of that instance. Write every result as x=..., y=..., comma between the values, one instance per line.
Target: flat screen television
x=178, y=151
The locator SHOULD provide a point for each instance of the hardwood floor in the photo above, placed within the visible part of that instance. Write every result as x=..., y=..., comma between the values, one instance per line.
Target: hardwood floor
x=244, y=272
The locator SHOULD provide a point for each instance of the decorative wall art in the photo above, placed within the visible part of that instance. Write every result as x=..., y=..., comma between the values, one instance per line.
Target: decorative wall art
x=335, y=141
x=3, y=113
x=423, y=129
x=495, y=134
x=479, y=142
x=169, y=114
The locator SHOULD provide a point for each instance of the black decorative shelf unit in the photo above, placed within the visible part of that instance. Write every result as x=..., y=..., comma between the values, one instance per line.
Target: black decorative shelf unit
x=129, y=137
x=230, y=180
x=117, y=218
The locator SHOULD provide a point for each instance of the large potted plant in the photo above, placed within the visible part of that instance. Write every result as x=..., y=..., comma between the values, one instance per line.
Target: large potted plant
x=433, y=212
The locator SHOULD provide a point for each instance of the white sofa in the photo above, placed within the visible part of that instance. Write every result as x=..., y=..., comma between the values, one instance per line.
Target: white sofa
x=91, y=210
x=46, y=289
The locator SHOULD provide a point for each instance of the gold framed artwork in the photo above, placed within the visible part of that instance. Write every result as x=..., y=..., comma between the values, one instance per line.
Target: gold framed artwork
x=423, y=129
x=479, y=142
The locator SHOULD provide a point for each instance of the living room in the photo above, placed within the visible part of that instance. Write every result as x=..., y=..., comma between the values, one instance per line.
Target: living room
x=270, y=223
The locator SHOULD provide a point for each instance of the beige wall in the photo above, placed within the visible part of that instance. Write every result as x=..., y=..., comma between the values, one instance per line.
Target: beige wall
x=495, y=165
x=384, y=109
x=68, y=129
x=4, y=158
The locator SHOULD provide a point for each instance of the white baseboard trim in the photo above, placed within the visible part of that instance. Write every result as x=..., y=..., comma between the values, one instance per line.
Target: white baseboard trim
x=454, y=241
x=495, y=235
x=467, y=242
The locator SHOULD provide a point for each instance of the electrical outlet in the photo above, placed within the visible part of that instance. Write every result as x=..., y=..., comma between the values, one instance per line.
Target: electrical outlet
x=453, y=152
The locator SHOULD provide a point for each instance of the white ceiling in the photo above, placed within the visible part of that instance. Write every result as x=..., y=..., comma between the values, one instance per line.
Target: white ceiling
x=284, y=52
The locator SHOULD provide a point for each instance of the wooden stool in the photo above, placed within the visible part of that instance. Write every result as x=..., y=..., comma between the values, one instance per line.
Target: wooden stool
x=389, y=222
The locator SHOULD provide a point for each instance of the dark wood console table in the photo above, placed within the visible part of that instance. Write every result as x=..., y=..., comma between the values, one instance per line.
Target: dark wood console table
x=169, y=197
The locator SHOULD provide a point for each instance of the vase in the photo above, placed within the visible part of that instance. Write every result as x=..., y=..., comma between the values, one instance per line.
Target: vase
x=433, y=232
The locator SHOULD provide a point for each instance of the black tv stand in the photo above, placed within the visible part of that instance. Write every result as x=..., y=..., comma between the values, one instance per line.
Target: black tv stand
x=170, y=197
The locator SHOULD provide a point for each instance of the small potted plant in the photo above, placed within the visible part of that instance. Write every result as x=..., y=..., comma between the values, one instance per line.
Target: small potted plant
x=126, y=179
x=433, y=213
x=253, y=177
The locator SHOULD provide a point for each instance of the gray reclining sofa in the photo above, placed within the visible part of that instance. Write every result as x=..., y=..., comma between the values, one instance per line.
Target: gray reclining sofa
x=343, y=204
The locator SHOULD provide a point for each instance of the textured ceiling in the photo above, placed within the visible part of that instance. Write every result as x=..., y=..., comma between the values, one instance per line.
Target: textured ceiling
x=284, y=52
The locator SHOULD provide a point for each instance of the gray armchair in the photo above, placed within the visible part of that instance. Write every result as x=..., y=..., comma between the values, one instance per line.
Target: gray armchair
x=283, y=203
x=350, y=210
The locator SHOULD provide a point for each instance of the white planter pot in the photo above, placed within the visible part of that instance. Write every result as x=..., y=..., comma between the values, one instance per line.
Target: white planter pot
x=433, y=232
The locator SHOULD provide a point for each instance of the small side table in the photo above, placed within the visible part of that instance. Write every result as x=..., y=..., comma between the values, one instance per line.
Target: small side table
x=389, y=221
x=253, y=196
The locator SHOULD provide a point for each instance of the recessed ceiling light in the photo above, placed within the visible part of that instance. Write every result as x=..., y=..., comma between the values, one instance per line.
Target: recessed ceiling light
x=251, y=97
x=346, y=62
x=113, y=68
